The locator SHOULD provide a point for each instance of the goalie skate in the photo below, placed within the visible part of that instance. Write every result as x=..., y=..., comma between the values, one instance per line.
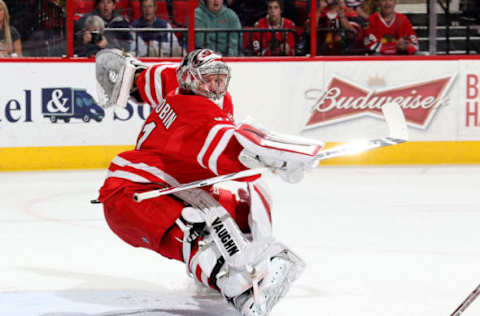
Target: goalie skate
x=283, y=270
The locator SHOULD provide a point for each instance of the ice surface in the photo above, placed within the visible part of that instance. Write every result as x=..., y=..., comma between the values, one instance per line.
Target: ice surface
x=397, y=241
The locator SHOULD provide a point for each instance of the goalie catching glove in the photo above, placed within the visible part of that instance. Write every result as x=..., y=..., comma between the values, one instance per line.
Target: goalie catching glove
x=287, y=156
x=115, y=74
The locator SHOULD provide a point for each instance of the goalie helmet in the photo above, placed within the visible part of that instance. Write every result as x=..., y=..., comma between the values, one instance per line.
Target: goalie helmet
x=199, y=65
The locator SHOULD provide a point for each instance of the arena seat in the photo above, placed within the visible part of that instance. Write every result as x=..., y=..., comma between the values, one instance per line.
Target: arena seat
x=123, y=7
x=135, y=10
x=162, y=10
x=180, y=11
x=84, y=6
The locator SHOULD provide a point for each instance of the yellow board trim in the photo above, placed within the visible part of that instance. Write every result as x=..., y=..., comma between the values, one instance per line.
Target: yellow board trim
x=65, y=157
x=99, y=157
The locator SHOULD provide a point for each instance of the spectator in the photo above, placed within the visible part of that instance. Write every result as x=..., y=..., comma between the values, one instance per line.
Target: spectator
x=274, y=43
x=93, y=38
x=389, y=32
x=112, y=19
x=10, y=43
x=154, y=43
x=212, y=14
x=339, y=29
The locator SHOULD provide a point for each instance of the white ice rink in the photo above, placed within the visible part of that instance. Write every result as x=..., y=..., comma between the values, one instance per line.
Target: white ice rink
x=401, y=241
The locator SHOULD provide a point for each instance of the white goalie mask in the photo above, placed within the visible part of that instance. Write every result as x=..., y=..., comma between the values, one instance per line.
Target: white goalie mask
x=204, y=73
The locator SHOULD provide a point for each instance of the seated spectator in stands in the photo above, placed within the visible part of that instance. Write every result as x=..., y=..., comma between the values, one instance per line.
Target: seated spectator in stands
x=154, y=43
x=281, y=43
x=389, y=32
x=105, y=10
x=10, y=43
x=212, y=14
x=93, y=37
x=339, y=29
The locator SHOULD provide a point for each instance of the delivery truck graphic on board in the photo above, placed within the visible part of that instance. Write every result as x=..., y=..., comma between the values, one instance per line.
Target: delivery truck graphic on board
x=67, y=103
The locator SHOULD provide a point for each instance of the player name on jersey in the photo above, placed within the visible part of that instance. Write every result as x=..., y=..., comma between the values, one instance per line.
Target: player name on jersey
x=166, y=114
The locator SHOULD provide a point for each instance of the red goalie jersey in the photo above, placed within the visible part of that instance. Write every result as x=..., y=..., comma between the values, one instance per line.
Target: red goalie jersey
x=382, y=37
x=186, y=138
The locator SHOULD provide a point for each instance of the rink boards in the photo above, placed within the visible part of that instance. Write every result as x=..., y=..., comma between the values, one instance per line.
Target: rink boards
x=49, y=119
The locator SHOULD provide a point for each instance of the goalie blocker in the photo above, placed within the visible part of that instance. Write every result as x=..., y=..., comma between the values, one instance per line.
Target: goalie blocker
x=286, y=155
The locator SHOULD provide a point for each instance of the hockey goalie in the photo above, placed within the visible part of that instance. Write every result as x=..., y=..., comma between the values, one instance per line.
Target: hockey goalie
x=224, y=237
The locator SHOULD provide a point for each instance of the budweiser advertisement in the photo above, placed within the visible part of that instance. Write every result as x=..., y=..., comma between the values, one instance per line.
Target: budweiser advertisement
x=345, y=100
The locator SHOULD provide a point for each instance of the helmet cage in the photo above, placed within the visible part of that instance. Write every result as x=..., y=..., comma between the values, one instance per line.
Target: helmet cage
x=196, y=66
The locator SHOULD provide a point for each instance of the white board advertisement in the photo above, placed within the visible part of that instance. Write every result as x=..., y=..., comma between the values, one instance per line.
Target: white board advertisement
x=53, y=103
x=469, y=108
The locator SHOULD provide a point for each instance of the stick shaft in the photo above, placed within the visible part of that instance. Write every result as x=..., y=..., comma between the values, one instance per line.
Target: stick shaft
x=470, y=298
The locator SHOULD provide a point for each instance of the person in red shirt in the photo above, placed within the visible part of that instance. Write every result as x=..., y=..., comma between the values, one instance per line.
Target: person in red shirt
x=339, y=29
x=390, y=32
x=224, y=237
x=279, y=43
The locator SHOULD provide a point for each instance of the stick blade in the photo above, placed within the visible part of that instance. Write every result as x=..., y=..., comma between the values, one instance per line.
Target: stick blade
x=395, y=120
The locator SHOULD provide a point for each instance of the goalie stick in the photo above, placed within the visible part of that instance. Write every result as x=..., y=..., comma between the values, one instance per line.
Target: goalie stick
x=398, y=134
x=470, y=298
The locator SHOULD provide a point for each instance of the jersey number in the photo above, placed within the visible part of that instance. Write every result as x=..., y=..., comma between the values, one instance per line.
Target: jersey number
x=147, y=130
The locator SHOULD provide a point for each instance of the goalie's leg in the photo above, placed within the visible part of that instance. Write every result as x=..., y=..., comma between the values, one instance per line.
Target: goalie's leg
x=254, y=279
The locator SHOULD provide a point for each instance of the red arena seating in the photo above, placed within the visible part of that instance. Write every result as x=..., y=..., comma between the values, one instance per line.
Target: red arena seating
x=123, y=7
x=180, y=11
x=84, y=6
x=135, y=10
x=162, y=10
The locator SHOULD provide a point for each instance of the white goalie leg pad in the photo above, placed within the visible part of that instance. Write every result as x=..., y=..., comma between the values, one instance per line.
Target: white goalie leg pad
x=245, y=262
x=115, y=73
x=259, y=219
x=254, y=279
x=209, y=267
